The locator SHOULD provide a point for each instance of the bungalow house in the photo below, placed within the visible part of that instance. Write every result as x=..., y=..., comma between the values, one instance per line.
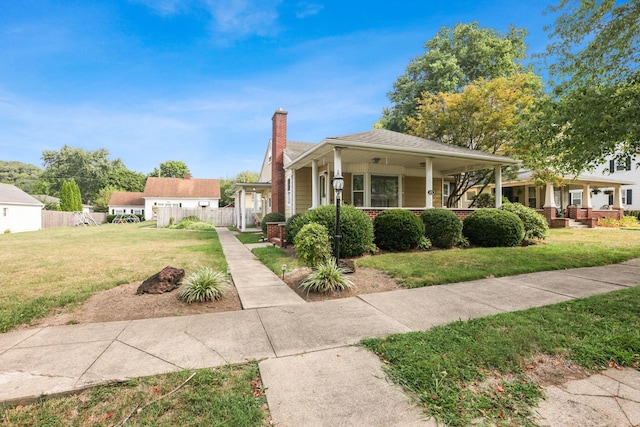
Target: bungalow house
x=627, y=170
x=124, y=202
x=184, y=192
x=18, y=210
x=381, y=169
x=569, y=200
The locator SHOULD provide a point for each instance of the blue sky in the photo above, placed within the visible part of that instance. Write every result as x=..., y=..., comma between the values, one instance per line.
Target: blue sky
x=198, y=80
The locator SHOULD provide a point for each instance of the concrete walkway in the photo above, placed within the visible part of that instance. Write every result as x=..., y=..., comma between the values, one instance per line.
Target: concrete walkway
x=312, y=373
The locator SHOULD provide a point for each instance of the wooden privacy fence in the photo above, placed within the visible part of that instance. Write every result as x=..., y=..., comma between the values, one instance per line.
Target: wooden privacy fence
x=56, y=219
x=222, y=217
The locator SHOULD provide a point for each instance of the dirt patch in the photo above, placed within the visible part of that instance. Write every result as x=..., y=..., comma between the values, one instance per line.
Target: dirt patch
x=367, y=281
x=554, y=370
x=122, y=303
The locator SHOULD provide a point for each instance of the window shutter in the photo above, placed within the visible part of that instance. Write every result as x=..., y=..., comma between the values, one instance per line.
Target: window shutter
x=629, y=201
x=610, y=199
x=628, y=164
x=612, y=166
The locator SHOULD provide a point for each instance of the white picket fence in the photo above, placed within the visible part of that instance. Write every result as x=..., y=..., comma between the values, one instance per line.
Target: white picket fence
x=222, y=217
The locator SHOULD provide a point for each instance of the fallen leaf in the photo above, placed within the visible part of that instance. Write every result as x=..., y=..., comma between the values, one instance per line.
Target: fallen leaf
x=108, y=415
x=500, y=415
x=499, y=389
x=434, y=397
x=556, y=363
x=497, y=374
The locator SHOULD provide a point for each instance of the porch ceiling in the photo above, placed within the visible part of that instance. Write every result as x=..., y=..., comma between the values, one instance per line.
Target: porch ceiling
x=446, y=163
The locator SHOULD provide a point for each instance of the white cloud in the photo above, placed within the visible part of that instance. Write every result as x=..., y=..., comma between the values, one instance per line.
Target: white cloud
x=305, y=9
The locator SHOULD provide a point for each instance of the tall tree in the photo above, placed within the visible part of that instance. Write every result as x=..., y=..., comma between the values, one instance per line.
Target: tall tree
x=171, y=169
x=70, y=199
x=453, y=59
x=87, y=168
x=481, y=117
x=123, y=179
x=593, y=109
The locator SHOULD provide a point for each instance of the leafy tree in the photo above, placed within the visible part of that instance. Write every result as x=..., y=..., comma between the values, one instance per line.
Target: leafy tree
x=171, y=169
x=87, y=168
x=453, y=59
x=226, y=185
x=22, y=175
x=125, y=180
x=70, y=199
x=481, y=117
x=101, y=201
x=593, y=109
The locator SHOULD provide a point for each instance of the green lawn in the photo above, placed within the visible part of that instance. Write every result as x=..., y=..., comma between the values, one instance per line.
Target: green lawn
x=563, y=249
x=249, y=237
x=472, y=370
x=49, y=269
x=227, y=396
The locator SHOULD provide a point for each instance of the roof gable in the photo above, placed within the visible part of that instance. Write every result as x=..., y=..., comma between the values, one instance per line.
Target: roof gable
x=123, y=198
x=189, y=188
x=12, y=194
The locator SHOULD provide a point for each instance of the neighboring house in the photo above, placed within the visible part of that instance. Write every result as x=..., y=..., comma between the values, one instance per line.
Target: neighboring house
x=18, y=210
x=184, y=192
x=381, y=169
x=123, y=202
x=627, y=170
x=565, y=200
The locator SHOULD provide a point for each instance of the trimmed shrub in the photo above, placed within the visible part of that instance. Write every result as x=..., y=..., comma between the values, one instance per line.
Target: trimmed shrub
x=493, y=227
x=355, y=226
x=293, y=226
x=442, y=227
x=202, y=285
x=487, y=200
x=271, y=217
x=327, y=278
x=535, y=225
x=312, y=245
x=397, y=230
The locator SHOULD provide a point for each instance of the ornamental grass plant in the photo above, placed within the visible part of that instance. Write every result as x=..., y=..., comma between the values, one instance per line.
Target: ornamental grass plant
x=203, y=285
x=327, y=278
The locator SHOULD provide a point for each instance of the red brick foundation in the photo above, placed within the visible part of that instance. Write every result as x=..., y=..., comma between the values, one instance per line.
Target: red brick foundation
x=275, y=233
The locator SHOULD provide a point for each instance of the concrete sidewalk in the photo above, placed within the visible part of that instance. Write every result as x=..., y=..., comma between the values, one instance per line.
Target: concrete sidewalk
x=312, y=374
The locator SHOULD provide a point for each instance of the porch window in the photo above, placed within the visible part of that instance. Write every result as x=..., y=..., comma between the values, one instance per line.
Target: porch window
x=532, y=197
x=575, y=198
x=626, y=197
x=358, y=190
x=322, y=182
x=384, y=191
x=446, y=192
x=288, y=191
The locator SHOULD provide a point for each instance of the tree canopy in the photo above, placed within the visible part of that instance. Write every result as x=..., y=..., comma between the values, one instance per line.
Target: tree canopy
x=592, y=111
x=482, y=117
x=171, y=169
x=87, y=168
x=453, y=59
x=22, y=175
x=123, y=179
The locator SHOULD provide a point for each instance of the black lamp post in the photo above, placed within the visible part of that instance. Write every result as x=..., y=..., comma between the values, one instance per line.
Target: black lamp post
x=338, y=185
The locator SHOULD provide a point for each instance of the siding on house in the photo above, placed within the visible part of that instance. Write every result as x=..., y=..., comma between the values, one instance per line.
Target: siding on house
x=19, y=212
x=303, y=190
x=624, y=171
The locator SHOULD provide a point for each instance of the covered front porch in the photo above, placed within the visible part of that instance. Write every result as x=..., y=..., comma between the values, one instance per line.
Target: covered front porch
x=567, y=201
x=399, y=172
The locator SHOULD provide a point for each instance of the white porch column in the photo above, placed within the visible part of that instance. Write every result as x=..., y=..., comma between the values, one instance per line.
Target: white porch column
x=498, y=172
x=617, y=197
x=549, y=199
x=429, y=183
x=314, y=184
x=237, y=204
x=243, y=213
x=586, y=196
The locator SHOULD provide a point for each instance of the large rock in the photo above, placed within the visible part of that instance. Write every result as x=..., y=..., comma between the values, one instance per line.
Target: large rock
x=165, y=281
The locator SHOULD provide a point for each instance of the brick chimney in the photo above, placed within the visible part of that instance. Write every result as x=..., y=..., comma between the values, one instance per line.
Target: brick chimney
x=187, y=176
x=278, y=144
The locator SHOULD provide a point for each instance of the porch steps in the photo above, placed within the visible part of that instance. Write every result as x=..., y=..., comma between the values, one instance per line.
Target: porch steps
x=576, y=224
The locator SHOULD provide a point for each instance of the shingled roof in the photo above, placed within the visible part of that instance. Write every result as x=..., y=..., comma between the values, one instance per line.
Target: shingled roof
x=184, y=188
x=123, y=198
x=10, y=194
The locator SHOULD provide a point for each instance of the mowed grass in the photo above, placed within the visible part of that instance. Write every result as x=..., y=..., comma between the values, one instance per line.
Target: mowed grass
x=564, y=248
x=473, y=372
x=227, y=396
x=49, y=269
